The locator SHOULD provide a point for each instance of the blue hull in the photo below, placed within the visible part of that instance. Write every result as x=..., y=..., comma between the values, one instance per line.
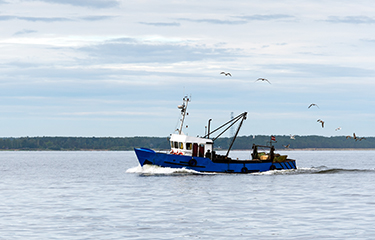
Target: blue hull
x=201, y=164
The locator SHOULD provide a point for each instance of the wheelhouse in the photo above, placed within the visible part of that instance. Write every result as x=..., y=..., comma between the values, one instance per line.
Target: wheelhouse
x=182, y=144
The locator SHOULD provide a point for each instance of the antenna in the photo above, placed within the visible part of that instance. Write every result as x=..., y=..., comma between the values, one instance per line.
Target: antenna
x=183, y=108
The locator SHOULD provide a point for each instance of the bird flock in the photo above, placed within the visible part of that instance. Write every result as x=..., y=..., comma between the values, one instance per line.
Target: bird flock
x=355, y=137
x=337, y=129
x=320, y=121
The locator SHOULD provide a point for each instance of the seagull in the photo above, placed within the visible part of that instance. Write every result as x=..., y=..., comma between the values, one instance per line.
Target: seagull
x=286, y=146
x=354, y=137
x=357, y=138
x=226, y=74
x=313, y=104
x=263, y=79
x=292, y=136
x=339, y=128
x=321, y=121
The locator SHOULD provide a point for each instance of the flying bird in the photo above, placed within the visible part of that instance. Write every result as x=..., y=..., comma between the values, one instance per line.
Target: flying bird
x=263, y=79
x=321, y=121
x=313, y=104
x=286, y=146
x=292, y=136
x=356, y=138
x=226, y=74
x=337, y=129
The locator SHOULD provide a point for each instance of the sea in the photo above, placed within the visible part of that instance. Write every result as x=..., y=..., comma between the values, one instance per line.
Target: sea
x=107, y=195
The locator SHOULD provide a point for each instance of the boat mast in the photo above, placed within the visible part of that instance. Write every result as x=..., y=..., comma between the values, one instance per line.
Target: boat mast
x=238, y=130
x=231, y=122
x=183, y=108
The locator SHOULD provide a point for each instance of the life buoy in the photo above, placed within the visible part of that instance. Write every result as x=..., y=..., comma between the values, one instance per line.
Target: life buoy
x=171, y=152
x=180, y=153
x=192, y=162
x=273, y=167
x=244, y=170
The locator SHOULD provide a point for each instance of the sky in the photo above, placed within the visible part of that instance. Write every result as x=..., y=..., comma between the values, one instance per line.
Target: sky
x=116, y=68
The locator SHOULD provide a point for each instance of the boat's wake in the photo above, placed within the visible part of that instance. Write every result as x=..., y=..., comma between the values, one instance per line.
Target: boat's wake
x=327, y=170
x=156, y=170
x=317, y=170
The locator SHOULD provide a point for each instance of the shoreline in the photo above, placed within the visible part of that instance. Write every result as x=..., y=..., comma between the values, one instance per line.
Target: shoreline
x=161, y=150
x=314, y=149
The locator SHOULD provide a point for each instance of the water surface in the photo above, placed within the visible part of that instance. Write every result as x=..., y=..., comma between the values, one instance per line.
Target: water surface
x=106, y=195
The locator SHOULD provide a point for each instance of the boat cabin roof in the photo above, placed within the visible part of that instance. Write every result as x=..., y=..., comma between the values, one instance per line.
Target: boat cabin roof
x=184, y=138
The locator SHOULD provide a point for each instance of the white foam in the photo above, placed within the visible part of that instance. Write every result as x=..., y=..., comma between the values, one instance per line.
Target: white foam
x=153, y=169
x=286, y=171
x=136, y=169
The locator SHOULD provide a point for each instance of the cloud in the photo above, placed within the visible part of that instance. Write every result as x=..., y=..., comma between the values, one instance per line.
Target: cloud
x=87, y=3
x=270, y=17
x=44, y=19
x=96, y=18
x=368, y=40
x=7, y=17
x=54, y=19
x=109, y=113
x=34, y=19
x=52, y=73
x=24, y=31
x=129, y=50
x=322, y=70
x=214, y=21
x=20, y=64
x=351, y=19
x=161, y=24
x=243, y=19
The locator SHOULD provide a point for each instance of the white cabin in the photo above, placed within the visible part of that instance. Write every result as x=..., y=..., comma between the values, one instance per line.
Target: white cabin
x=182, y=144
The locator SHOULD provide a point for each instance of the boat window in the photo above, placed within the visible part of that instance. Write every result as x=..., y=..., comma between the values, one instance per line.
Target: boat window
x=175, y=144
x=195, y=150
x=181, y=145
x=189, y=146
x=201, y=150
x=171, y=144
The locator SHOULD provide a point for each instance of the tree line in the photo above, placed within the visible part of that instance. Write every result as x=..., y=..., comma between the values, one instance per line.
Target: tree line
x=162, y=143
x=300, y=142
x=82, y=143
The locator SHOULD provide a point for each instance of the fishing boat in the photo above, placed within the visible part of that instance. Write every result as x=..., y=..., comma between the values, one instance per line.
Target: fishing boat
x=198, y=153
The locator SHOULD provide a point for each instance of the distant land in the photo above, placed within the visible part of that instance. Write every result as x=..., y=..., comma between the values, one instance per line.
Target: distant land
x=162, y=143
